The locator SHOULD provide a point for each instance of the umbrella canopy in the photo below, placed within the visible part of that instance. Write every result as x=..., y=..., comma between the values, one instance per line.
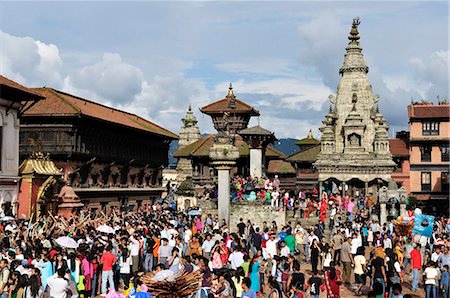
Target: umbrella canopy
x=67, y=242
x=7, y=218
x=105, y=229
x=194, y=212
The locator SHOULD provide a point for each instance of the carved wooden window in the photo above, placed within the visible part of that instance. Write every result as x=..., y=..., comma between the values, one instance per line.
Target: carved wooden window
x=445, y=152
x=425, y=153
x=430, y=128
x=426, y=181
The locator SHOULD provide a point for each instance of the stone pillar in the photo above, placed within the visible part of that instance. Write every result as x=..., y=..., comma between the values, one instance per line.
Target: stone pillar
x=223, y=204
x=223, y=155
x=383, y=214
x=343, y=188
x=366, y=188
x=256, y=156
x=320, y=190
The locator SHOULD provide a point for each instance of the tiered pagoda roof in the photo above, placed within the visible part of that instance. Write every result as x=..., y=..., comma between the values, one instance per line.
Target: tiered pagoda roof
x=229, y=104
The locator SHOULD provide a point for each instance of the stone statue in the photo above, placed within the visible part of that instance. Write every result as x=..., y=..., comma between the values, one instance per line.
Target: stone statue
x=354, y=140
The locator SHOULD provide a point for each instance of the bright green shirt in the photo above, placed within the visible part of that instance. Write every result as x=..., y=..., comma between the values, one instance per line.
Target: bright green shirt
x=290, y=242
x=245, y=266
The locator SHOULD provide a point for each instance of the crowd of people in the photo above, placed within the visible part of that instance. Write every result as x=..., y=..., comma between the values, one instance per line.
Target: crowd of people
x=235, y=261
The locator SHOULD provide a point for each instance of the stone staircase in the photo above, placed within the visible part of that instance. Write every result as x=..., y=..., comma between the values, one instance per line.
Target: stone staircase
x=307, y=222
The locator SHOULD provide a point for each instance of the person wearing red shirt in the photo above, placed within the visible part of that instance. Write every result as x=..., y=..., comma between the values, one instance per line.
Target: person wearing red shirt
x=416, y=260
x=107, y=260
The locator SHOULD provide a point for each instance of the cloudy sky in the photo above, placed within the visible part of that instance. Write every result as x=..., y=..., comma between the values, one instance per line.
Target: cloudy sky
x=156, y=58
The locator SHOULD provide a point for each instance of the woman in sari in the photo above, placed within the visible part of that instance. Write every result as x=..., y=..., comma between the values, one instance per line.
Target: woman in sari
x=254, y=274
x=333, y=280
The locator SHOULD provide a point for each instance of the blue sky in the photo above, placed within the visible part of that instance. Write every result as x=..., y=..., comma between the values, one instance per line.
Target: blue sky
x=155, y=58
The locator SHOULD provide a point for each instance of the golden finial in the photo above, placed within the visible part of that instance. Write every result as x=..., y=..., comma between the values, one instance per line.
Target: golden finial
x=230, y=91
x=310, y=135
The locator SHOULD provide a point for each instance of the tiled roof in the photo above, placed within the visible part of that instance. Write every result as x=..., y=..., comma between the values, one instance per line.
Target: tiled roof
x=425, y=111
x=307, y=141
x=307, y=155
x=24, y=92
x=398, y=148
x=201, y=147
x=255, y=130
x=223, y=105
x=277, y=166
x=57, y=103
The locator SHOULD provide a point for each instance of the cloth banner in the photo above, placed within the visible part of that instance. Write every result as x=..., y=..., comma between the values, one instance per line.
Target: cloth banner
x=423, y=225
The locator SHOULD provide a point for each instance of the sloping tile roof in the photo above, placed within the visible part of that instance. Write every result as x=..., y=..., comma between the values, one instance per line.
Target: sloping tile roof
x=201, y=147
x=424, y=111
x=307, y=155
x=280, y=167
x=25, y=93
x=398, y=148
x=57, y=103
x=307, y=141
x=255, y=130
x=223, y=105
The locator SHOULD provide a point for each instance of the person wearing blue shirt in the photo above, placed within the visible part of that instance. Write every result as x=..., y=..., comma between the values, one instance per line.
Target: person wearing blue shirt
x=247, y=292
x=444, y=258
x=444, y=281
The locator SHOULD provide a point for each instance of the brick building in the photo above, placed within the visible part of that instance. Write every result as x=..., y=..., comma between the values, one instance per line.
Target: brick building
x=430, y=153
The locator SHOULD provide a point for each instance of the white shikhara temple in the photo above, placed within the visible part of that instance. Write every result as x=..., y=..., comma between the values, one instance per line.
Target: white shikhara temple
x=354, y=142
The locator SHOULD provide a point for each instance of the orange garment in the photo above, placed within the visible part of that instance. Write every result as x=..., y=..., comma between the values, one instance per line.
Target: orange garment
x=156, y=247
x=193, y=248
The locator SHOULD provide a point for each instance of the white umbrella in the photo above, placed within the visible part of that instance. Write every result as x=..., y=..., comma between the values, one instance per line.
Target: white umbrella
x=67, y=242
x=7, y=218
x=105, y=229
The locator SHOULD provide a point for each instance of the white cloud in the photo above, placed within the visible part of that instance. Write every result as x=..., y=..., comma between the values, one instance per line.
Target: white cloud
x=112, y=79
x=433, y=72
x=29, y=61
x=290, y=92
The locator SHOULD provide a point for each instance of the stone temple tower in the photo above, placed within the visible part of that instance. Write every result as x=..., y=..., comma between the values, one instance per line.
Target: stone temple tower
x=189, y=133
x=354, y=141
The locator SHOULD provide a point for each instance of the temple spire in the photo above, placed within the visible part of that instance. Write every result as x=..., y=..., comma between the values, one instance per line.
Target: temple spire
x=231, y=97
x=354, y=33
x=230, y=91
x=353, y=60
x=310, y=135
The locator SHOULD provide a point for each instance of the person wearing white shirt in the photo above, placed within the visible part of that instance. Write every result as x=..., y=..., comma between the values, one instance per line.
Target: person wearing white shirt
x=271, y=246
x=434, y=256
x=274, y=201
x=58, y=284
x=207, y=246
x=134, y=252
x=125, y=263
x=311, y=238
x=356, y=242
x=284, y=251
x=387, y=243
x=187, y=237
x=236, y=259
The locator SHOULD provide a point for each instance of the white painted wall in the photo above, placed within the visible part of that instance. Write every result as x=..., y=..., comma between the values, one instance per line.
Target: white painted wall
x=10, y=125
